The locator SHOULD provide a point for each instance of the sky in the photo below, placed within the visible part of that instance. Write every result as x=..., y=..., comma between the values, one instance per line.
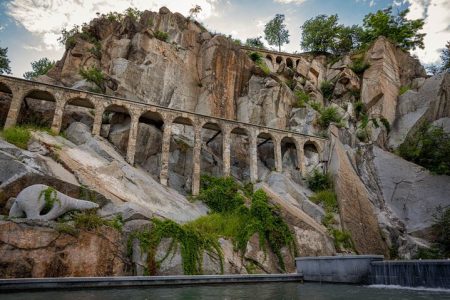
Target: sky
x=30, y=28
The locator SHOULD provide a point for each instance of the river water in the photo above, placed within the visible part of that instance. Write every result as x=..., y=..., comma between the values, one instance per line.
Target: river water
x=307, y=291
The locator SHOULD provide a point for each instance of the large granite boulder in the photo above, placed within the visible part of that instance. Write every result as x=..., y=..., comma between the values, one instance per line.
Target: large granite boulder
x=32, y=200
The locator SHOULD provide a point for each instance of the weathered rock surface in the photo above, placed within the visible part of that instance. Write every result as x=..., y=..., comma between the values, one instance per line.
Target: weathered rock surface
x=33, y=249
x=31, y=201
x=429, y=103
x=409, y=191
x=356, y=211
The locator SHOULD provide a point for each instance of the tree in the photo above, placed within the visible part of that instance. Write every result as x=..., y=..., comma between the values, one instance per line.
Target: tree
x=4, y=61
x=255, y=42
x=193, y=12
x=324, y=34
x=404, y=32
x=445, y=56
x=276, y=33
x=318, y=33
x=40, y=67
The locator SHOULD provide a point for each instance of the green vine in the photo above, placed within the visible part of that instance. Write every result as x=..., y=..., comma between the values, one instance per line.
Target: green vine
x=193, y=243
x=50, y=196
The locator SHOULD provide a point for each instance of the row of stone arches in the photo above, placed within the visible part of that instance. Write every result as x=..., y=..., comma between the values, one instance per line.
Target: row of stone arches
x=239, y=152
x=277, y=60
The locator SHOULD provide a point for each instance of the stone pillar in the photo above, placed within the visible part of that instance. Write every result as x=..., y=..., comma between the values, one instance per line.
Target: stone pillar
x=253, y=157
x=132, y=138
x=99, y=110
x=58, y=116
x=301, y=159
x=196, y=168
x=164, y=172
x=277, y=155
x=226, y=145
x=14, y=108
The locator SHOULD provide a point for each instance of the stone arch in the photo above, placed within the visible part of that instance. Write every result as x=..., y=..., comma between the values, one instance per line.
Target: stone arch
x=290, y=155
x=312, y=156
x=240, y=153
x=265, y=149
x=270, y=58
x=181, y=154
x=212, y=148
x=78, y=109
x=279, y=60
x=149, y=140
x=37, y=108
x=116, y=121
x=6, y=95
x=289, y=63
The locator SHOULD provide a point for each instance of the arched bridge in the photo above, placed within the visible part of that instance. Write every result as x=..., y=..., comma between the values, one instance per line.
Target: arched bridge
x=276, y=58
x=20, y=89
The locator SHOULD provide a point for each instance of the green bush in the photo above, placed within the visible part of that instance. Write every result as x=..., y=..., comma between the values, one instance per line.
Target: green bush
x=302, y=98
x=49, y=196
x=327, y=88
x=327, y=198
x=359, y=109
x=329, y=115
x=220, y=194
x=18, y=136
x=342, y=239
x=318, y=181
x=386, y=124
x=429, y=147
x=162, y=36
x=94, y=75
x=359, y=66
x=235, y=220
x=66, y=228
x=255, y=56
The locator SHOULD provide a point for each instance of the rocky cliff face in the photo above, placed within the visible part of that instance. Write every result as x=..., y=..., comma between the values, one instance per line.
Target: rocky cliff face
x=384, y=202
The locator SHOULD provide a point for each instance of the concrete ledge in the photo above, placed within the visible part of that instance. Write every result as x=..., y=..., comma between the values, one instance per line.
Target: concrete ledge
x=10, y=285
x=337, y=269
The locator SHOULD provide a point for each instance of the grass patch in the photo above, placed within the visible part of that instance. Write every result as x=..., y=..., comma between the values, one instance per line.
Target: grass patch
x=342, y=239
x=403, y=89
x=318, y=181
x=66, y=228
x=93, y=75
x=17, y=135
x=302, y=98
x=329, y=115
x=89, y=220
x=327, y=198
x=162, y=36
x=327, y=88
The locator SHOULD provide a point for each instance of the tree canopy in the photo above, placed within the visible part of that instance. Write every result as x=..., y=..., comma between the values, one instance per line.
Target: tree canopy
x=445, y=56
x=4, y=61
x=404, y=32
x=255, y=42
x=39, y=67
x=276, y=33
x=324, y=34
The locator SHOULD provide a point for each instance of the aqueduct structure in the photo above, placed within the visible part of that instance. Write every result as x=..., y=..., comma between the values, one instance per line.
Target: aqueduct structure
x=20, y=89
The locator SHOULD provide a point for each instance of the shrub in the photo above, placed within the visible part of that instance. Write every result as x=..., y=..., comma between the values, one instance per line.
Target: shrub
x=49, y=195
x=342, y=239
x=429, y=147
x=363, y=134
x=359, y=109
x=220, y=194
x=255, y=56
x=18, y=136
x=66, y=228
x=88, y=220
x=318, y=181
x=96, y=50
x=386, y=124
x=302, y=98
x=329, y=115
x=327, y=198
x=162, y=36
x=359, y=66
x=403, y=89
x=327, y=88
x=94, y=75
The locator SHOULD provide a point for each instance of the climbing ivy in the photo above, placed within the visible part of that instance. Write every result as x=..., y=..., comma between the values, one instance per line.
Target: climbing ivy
x=50, y=196
x=193, y=243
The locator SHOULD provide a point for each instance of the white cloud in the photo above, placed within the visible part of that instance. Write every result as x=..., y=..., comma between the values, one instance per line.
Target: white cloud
x=2, y=27
x=46, y=18
x=298, y=2
x=437, y=29
x=34, y=48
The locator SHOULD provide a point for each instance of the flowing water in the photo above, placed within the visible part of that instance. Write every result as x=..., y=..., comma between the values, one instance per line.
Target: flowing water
x=307, y=291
